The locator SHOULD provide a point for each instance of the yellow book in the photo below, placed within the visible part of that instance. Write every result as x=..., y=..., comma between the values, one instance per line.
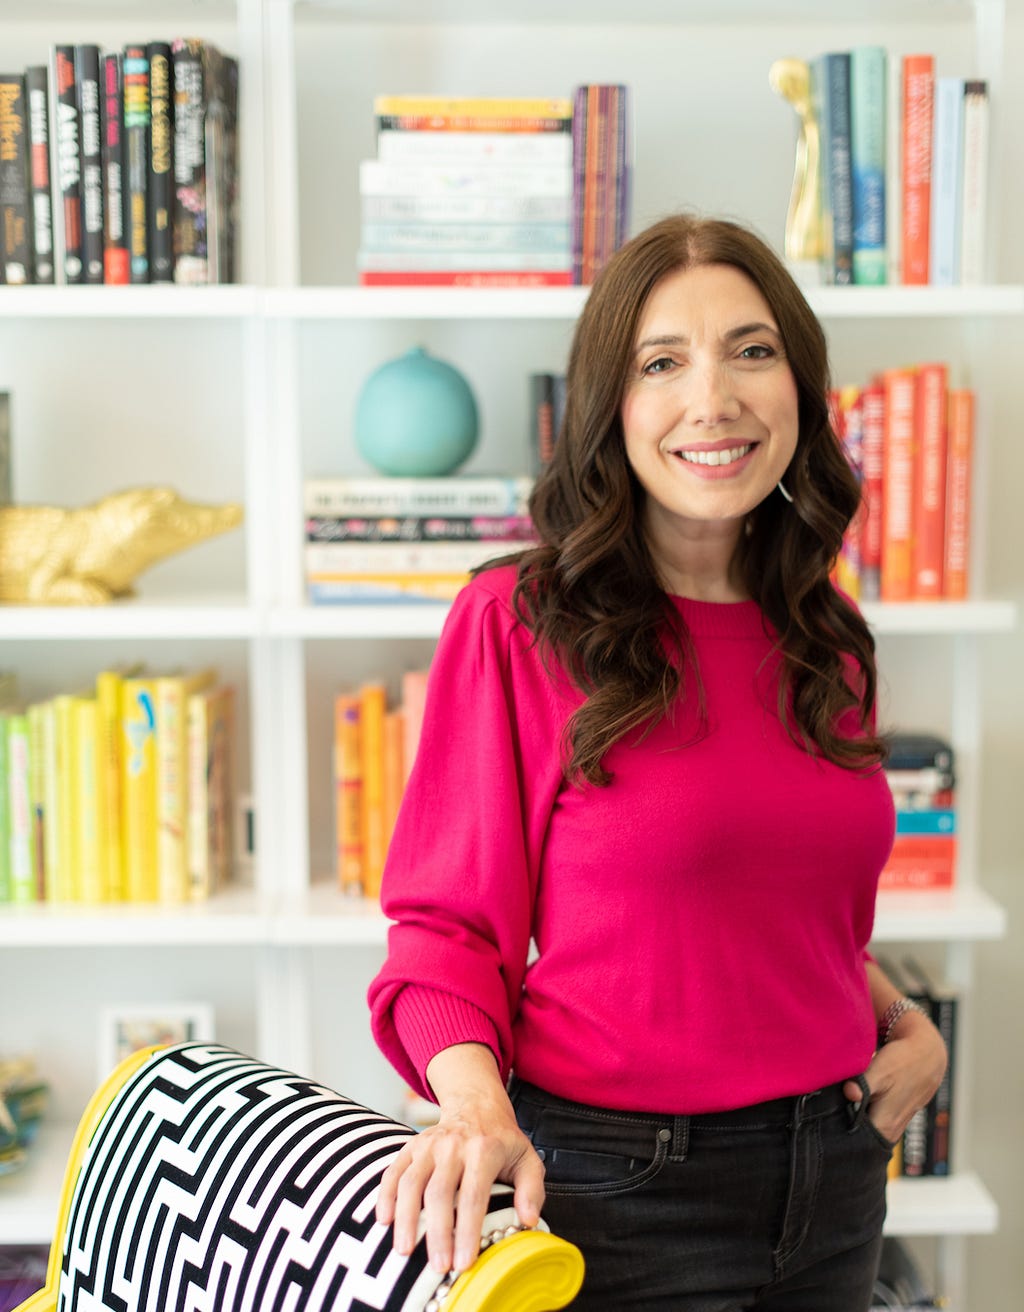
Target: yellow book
x=90, y=873
x=65, y=880
x=109, y=684
x=37, y=795
x=497, y=107
x=138, y=789
x=372, y=709
x=394, y=769
x=348, y=794
x=210, y=718
x=171, y=693
x=51, y=799
x=20, y=837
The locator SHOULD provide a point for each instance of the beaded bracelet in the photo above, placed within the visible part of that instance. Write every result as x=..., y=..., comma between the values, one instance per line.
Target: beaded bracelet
x=893, y=1013
x=443, y=1290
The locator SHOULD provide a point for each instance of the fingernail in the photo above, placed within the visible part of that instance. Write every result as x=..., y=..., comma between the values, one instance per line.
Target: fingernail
x=463, y=1260
x=438, y=1263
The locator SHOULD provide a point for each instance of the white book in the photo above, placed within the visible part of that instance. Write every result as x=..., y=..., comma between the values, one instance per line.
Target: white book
x=546, y=148
x=324, y=559
x=974, y=194
x=458, y=209
x=947, y=186
x=454, y=179
x=479, y=494
x=475, y=260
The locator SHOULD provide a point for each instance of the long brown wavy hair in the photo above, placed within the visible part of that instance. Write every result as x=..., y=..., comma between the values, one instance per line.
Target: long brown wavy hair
x=589, y=591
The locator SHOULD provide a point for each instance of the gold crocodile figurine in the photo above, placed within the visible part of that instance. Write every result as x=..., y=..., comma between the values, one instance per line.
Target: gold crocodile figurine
x=51, y=556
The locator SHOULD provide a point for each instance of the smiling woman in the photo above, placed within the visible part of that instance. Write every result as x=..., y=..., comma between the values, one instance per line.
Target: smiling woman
x=652, y=737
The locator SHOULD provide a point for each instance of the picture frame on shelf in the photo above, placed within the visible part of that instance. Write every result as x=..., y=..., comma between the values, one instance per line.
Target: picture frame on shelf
x=124, y=1028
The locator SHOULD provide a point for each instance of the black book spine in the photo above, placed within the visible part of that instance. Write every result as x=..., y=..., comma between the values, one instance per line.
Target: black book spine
x=15, y=212
x=136, y=139
x=115, y=238
x=37, y=95
x=69, y=164
x=160, y=180
x=191, y=255
x=221, y=140
x=87, y=86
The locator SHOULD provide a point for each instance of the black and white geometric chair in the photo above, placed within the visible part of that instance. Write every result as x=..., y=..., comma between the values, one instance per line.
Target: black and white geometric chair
x=201, y=1180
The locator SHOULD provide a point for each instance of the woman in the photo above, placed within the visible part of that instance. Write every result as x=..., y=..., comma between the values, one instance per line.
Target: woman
x=650, y=751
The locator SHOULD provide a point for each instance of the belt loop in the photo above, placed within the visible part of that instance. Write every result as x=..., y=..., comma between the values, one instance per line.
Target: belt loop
x=856, y=1111
x=680, y=1138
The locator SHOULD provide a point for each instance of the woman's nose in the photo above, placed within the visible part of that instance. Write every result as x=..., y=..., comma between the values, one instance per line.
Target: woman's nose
x=710, y=397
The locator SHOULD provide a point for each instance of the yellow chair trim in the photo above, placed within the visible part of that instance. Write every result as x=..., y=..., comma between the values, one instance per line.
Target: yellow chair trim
x=530, y=1271
x=99, y=1104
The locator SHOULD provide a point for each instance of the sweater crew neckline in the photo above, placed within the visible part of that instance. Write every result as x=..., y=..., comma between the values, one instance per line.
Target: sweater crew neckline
x=722, y=619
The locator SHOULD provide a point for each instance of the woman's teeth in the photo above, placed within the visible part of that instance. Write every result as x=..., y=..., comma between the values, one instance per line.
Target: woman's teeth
x=715, y=457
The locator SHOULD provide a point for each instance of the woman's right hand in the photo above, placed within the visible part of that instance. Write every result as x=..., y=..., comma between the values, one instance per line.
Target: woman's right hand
x=447, y=1170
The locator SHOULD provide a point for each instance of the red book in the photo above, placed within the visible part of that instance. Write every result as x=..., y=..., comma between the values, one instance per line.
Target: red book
x=958, y=493
x=465, y=278
x=872, y=467
x=920, y=862
x=898, y=484
x=916, y=141
x=929, y=512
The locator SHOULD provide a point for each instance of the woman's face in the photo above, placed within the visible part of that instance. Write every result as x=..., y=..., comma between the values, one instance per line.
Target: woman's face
x=710, y=408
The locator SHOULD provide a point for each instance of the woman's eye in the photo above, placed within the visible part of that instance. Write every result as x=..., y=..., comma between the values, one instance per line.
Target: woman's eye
x=756, y=352
x=659, y=366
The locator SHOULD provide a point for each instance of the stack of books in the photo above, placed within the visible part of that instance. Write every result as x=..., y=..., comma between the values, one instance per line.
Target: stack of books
x=467, y=191
x=921, y=775
x=904, y=169
x=909, y=438
x=121, y=793
x=602, y=158
x=380, y=539
x=547, y=408
x=375, y=746
x=120, y=167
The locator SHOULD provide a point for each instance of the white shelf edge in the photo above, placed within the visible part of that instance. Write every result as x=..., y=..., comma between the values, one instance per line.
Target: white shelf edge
x=399, y=620
x=217, y=616
x=897, y=301
x=966, y=914
x=154, y=301
x=955, y=1205
x=922, y=617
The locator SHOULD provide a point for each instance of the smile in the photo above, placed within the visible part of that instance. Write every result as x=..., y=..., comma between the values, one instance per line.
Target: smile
x=725, y=457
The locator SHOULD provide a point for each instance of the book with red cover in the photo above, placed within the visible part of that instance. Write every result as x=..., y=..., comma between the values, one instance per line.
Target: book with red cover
x=929, y=510
x=920, y=861
x=958, y=493
x=872, y=404
x=918, y=109
x=898, y=484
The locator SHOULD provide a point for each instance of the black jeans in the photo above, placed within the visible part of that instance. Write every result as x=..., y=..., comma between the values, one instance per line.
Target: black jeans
x=777, y=1207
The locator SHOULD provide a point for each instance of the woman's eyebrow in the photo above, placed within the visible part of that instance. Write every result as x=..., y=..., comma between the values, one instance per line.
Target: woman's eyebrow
x=678, y=339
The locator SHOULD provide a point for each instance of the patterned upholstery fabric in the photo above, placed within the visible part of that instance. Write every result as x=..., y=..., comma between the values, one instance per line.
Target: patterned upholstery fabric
x=215, y=1183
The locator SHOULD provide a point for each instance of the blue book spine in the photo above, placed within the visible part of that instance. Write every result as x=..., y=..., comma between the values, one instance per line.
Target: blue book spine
x=939, y=821
x=869, y=81
x=835, y=93
x=947, y=173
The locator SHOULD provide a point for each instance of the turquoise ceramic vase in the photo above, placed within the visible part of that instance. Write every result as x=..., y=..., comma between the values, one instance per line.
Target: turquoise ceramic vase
x=416, y=417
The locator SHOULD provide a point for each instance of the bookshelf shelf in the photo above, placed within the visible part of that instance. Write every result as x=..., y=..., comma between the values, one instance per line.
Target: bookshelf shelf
x=966, y=914
x=957, y=1205
x=153, y=302
x=207, y=617
x=925, y=617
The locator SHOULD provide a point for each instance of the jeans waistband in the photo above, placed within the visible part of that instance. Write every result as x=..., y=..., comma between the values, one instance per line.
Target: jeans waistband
x=775, y=1112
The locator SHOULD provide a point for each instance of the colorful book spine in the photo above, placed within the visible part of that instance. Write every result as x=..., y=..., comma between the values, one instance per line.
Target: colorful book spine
x=37, y=95
x=472, y=123
x=372, y=712
x=462, y=262
x=420, y=528
x=88, y=91
x=974, y=196
x=22, y=837
x=170, y=700
x=872, y=404
x=348, y=795
x=323, y=559
x=485, y=107
x=136, y=138
x=385, y=589
x=221, y=146
x=869, y=86
x=91, y=874
x=465, y=278
x=191, y=255
x=115, y=240
x=5, y=813
x=956, y=567
x=65, y=887
x=929, y=473
x=53, y=851
x=947, y=182
x=920, y=861
x=916, y=153
x=837, y=162
x=210, y=748
x=15, y=202
x=160, y=160
x=68, y=191
x=138, y=791
x=898, y=485
x=373, y=496
x=108, y=701
x=37, y=796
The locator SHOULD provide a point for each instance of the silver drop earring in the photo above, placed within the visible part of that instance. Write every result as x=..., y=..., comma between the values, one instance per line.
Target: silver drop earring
x=782, y=488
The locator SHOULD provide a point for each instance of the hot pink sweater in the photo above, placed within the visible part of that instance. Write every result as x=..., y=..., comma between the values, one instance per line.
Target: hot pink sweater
x=700, y=923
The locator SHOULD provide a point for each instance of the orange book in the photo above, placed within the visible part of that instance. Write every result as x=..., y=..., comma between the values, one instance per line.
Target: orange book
x=414, y=701
x=348, y=794
x=872, y=401
x=958, y=493
x=898, y=484
x=929, y=512
x=916, y=142
x=372, y=709
x=394, y=774
x=920, y=861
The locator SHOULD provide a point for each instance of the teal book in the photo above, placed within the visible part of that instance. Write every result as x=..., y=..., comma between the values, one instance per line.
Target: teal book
x=869, y=83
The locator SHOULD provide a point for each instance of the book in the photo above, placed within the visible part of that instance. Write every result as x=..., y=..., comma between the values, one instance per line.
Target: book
x=62, y=874
x=465, y=278
x=21, y=835
x=136, y=152
x=832, y=70
x=138, y=789
x=5, y=814
x=90, y=875
x=221, y=146
x=943, y=1003
x=920, y=861
x=947, y=182
x=414, y=702
x=37, y=795
x=68, y=168
x=394, y=768
x=481, y=181
x=919, y=751
x=918, y=89
x=974, y=184
x=324, y=559
x=459, y=122
x=190, y=59
x=462, y=262
x=956, y=565
x=469, y=239
x=6, y=471
x=210, y=736
x=109, y=685
x=547, y=406
x=524, y=208
x=928, y=514
x=115, y=240
x=477, y=107
x=869, y=89
x=395, y=146
x=372, y=714
x=382, y=589
x=376, y=496
x=160, y=161
x=348, y=794
x=88, y=90
x=900, y=389
x=170, y=700
x=927, y=781
x=932, y=820
x=37, y=97
x=601, y=166
x=15, y=203
x=420, y=528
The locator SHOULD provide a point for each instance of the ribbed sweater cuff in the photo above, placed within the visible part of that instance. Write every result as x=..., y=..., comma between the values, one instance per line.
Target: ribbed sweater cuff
x=428, y=1020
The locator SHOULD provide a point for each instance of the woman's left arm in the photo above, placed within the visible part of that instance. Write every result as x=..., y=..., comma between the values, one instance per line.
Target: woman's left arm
x=906, y=1069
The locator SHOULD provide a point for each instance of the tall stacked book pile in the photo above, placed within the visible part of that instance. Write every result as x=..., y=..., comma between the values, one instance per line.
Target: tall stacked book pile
x=379, y=539
x=123, y=793
x=904, y=169
x=120, y=167
x=920, y=772
x=467, y=191
x=909, y=438
x=602, y=157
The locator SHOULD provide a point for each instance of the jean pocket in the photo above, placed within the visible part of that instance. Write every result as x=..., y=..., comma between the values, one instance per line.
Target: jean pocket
x=887, y=1145
x=589, y=1171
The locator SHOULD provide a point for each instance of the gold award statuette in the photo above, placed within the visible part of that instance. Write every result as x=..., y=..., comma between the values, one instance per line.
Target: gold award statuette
x=51, y=556
x=805, y=237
